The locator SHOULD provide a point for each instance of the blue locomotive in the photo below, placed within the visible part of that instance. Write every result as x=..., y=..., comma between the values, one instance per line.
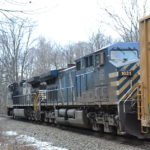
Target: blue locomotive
x=99, y=92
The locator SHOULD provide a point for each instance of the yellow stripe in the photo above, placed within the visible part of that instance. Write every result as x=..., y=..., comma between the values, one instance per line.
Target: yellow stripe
x=116, y=74
x=127, y=84
x=138, y=63
x=135, y=85
x=125, y=67
x=113, y=75
x=117, y=92
x=135, y=94
x=116, y=83
x=124, y=78
x=134, y=67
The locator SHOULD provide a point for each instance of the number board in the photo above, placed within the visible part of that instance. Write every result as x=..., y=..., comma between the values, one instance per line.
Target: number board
x=126, y=73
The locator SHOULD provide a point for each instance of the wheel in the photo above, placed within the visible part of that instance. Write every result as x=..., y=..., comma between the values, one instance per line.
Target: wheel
x=97, y=127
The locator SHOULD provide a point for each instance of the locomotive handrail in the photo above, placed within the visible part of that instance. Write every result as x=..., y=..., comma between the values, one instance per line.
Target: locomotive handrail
x=129, y=97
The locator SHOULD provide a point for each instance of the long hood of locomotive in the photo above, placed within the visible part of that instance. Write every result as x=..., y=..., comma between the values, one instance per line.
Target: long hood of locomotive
x=125, y=80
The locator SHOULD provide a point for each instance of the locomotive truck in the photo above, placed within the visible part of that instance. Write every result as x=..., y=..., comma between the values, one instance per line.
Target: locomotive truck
x=108, y=90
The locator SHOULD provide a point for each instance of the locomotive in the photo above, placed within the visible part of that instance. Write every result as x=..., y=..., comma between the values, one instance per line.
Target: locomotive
x=98, y=92
x=107, y=90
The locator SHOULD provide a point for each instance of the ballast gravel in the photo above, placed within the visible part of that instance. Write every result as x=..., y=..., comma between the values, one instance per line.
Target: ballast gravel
x=70, y=139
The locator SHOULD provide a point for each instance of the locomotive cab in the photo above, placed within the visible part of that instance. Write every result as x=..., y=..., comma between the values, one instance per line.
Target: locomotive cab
x=124, y=82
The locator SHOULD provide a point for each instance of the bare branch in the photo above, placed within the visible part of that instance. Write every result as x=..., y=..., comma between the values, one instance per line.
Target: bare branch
x=125, y=23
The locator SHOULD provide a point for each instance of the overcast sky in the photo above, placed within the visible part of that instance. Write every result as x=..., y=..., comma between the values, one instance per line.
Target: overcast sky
x=66, y=21
x=69, y=20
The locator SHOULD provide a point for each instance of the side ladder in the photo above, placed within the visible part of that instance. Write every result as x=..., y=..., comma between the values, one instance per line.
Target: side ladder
x=35, y=101
x=140, y=107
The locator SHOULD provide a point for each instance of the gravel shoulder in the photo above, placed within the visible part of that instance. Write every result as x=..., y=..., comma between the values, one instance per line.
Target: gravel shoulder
x=72, y=140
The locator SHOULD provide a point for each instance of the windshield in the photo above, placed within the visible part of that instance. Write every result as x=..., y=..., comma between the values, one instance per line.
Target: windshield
x=123, y=56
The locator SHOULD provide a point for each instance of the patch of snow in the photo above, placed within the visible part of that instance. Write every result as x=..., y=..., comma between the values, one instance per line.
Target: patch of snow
x=10, y=133
x=1, y=118
x=40, y=145
x=31, y=141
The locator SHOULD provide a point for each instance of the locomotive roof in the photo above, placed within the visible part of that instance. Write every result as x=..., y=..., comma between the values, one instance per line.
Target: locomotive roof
x=123, y=45
x=68, y=69
x=49, y=75
x=34, y=80
x=119, y=45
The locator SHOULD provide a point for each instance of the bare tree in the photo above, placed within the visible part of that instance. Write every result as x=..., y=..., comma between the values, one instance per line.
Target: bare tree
x=15, y=49
x=69, y=53
x=125, y=22
x=15, y=44
x=99, y=40
x=74, y=51
x=58, y=57
x=45, y=56
x=48, y=55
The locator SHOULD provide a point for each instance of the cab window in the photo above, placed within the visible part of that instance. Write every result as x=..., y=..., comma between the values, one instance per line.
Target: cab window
x=78, y=65
x=100, y=59
x=88, y=61
x=123, y=56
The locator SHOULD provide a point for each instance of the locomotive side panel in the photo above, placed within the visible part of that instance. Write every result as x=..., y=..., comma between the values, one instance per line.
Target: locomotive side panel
x=66, y=86
x=91, y=78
